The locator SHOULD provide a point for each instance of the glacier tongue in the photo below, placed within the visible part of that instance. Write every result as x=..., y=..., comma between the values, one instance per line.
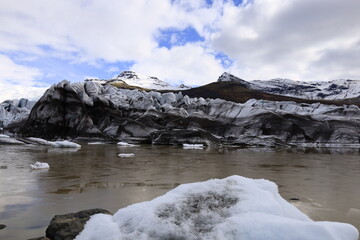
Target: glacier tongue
x=90, y=109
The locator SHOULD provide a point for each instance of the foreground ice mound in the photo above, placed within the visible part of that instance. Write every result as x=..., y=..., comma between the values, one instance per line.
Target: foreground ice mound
x=39, y=165
x=230, y=208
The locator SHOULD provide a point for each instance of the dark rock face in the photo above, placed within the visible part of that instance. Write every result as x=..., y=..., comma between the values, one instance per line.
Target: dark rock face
x=92, y=110
x=68, y=226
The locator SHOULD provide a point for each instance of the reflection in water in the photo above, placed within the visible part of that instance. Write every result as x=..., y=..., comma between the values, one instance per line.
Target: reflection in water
x=11, y=210
x=325, y=181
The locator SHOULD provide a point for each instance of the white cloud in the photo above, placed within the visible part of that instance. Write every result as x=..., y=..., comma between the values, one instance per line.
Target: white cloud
x=299, y=39
x=113, y=69
x=16, y=80
x=292, y=39
x=17, y=74
x=190, y=64
x=87, y=30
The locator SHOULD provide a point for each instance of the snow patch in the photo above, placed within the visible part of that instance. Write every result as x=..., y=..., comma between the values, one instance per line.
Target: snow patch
x=231, y=208
x=39, y=165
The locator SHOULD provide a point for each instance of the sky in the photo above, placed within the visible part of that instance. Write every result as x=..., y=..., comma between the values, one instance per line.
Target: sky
x=179, y=41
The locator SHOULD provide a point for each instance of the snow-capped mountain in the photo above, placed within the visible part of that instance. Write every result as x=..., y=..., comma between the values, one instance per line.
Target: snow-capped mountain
x=134, y=79
x=327, y=90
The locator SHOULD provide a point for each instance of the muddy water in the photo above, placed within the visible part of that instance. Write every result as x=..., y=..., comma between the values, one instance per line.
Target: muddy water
x=326, y=182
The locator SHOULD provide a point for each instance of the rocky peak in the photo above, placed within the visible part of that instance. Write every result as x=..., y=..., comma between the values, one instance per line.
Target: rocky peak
x=227, y=77
x=134, y=79
x=128, y=75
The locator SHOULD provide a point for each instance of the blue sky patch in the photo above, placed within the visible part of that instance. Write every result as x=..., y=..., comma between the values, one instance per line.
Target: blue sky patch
x=226, y=62
x=174, y=37
x=55, y=69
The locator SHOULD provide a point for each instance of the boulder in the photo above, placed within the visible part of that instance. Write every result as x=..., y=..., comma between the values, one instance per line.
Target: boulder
x=68, y=226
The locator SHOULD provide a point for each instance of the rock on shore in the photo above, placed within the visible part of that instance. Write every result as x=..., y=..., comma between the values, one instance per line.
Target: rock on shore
x=68, y=226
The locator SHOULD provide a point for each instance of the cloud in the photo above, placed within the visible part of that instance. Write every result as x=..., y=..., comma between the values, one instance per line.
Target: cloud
x=180, y=41
x=278, y=38
x=87, y=30
x=190, y=64
x=17, y=74
x=17, y=80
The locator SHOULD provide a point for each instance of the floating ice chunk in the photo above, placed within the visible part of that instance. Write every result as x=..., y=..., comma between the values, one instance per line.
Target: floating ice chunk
x=96, y=143
x=58, y=144
x=126, y=155
x=39, y=165
x=40, y=141
x=66, y=144
x=193, y=146
x=230, y=208
x=6, y=140
x=125, y=144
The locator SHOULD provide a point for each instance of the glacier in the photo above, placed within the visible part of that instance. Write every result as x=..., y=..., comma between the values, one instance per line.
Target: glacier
x=14, y=111
x=92, y=110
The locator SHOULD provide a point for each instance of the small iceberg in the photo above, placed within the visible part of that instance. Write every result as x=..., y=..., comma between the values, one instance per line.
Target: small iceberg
x=66, y=144
x=58, y=144
x=232, y=208
x=193, y=146
x=39, y=165
x=126, y=155
x=7, y=140
x=125, y=144
x=96, y=143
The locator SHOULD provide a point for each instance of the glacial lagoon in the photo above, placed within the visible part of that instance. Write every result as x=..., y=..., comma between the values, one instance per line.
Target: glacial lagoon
x=322, y=182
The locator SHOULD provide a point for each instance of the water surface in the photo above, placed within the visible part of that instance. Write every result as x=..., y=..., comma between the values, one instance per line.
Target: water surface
x=326, y=182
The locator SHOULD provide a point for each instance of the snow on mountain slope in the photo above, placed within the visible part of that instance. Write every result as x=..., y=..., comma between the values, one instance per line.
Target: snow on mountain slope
x=328, y=90
x=134, y=79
